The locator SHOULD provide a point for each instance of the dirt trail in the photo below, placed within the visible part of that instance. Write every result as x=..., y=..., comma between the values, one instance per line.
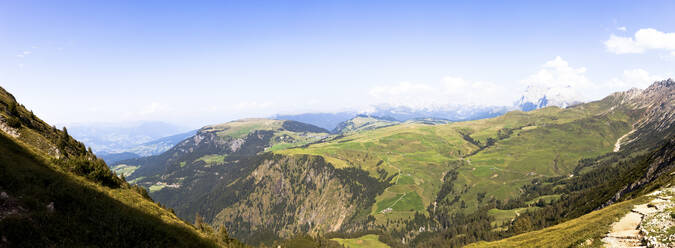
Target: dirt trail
x=617, y=145
x=637, y=228
x=625, y=232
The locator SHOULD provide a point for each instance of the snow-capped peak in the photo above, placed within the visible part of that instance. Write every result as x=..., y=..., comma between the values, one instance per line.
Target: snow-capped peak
x=539, y=96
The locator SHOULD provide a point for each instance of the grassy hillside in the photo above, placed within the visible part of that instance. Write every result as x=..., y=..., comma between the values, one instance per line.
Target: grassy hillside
x=47, y=206
x=56, y=193
x=590, y=227
x=215, y=145
x=362, y=123
x=286, y=133
x=494, y=156
x=589, y=230
x=369, y=240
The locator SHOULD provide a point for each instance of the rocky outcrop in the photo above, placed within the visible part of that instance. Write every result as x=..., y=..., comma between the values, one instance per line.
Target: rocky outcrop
x=298, y=194
x=7, y=129
x=658, y=100
x=653, y=128
x=647, y=225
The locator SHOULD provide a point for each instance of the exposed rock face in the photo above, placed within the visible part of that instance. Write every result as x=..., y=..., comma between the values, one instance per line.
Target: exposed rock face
x=7, y=129
x=658, y=221
x=291, y=196
x=655, y=124
x=659, y=103
x=277, y=196
x=647, y=223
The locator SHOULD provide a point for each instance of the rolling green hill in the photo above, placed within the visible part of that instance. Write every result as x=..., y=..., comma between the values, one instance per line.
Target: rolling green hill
x=496, y=156
x=55, y=193
x=214, y=145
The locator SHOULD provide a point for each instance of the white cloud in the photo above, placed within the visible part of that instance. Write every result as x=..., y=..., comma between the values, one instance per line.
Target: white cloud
x=152, y=108
x=622, y=45
x=645, y=39
x=558, y=81
x=558, y=73
x=622, y=29
x=449, y=91
x=635, y=78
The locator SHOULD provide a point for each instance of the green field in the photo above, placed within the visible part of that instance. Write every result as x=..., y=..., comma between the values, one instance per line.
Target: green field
x=156, y=187
x=367, y=241
x=125, y=170
x=506, y=216
x=408, y=201
x=212, y=158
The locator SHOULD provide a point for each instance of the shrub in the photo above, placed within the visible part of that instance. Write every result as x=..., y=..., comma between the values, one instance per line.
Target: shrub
x=13, y=122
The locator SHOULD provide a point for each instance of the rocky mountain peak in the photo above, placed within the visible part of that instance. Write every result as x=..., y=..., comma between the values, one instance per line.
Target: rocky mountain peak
x=539, y=96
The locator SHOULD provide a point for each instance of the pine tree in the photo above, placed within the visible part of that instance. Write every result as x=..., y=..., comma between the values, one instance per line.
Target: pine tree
x=199, y=221
x=223, y=235
x=522, y=224
x=14, y=122
x=11, y=109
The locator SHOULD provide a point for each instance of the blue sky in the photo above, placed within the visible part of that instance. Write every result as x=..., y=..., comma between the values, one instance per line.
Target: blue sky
x=195, y=63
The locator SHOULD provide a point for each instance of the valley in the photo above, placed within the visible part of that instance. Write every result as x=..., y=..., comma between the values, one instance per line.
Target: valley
x=247, y=174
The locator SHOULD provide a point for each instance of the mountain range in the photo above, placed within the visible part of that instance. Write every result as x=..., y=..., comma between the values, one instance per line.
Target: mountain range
x=114, y=142
x=421, y=182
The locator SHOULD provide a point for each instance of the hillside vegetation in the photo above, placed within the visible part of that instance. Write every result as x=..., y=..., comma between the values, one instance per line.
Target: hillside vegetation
x=56, y=193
